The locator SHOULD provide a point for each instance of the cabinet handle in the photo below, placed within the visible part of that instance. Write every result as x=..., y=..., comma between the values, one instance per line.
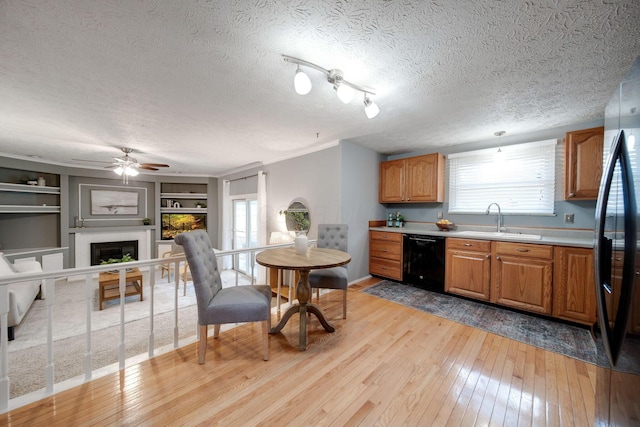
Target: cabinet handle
x=522, y=249
x=499, y=258
x=468, y=244
x=384, y=250
x=572, y=194
x=489, y=257
x=618, y=259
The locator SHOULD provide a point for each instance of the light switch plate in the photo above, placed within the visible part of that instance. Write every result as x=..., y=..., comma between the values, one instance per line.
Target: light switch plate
x=568, y=218
x=439, y=215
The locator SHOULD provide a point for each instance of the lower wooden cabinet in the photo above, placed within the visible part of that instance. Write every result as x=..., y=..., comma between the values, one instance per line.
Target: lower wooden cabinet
x=522, y=276
x=574, y=295
x=468, y=268
x=385, y=254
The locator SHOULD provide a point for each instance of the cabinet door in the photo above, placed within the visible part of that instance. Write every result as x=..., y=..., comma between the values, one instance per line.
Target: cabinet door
x=391, y=181
x=523, y=283
x=583, y=163
x=468, y=273
x=574, y=295
x=425, y=178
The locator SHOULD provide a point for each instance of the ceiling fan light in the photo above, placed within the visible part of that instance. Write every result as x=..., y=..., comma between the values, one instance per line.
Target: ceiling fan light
x=301, y=82
x=119, y=170
x=371, y=109
x=345, y=93
x=131, y=171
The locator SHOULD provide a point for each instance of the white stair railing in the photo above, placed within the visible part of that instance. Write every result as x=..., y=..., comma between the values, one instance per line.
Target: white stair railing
x=88, y=274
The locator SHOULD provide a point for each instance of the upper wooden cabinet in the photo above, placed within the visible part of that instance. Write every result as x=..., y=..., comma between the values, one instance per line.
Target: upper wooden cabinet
x=412, y=180
x=583, y=163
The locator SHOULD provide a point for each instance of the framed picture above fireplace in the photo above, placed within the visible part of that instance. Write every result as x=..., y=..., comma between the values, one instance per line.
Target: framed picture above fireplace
x=114, y=202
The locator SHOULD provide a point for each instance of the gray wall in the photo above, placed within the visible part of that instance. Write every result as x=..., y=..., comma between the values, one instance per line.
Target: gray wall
x=339, y=185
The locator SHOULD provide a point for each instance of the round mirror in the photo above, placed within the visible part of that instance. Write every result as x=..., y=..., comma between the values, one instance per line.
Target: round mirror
x=297, y=216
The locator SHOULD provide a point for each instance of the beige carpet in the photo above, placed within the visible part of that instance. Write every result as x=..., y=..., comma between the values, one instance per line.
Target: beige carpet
x=27, y=354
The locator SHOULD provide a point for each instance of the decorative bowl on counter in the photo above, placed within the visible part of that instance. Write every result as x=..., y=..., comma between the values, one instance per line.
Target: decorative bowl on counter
x=445, y=226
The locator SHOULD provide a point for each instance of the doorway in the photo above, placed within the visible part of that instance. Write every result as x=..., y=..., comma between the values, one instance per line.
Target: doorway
x=245, y=231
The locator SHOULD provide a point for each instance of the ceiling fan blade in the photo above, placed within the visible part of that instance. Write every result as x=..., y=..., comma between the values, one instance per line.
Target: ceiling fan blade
x=147, y=167
x=111, y=166
x=155, y=165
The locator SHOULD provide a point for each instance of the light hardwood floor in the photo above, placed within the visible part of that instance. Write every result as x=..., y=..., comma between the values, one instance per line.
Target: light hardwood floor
x=386, y=364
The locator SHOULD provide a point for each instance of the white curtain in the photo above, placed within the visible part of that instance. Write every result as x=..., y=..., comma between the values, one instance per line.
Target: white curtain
x=226, y=262
x=262, y=222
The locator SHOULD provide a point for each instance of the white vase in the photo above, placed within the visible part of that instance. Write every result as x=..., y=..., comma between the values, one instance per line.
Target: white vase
x=301, y=243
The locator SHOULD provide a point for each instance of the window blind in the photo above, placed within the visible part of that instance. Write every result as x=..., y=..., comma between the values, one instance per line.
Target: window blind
x=522, y=181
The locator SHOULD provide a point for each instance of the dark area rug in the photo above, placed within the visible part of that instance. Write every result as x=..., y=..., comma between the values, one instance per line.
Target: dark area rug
x=558, y=337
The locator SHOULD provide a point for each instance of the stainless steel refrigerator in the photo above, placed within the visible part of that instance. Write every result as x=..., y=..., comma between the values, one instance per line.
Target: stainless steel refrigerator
x=617, y=261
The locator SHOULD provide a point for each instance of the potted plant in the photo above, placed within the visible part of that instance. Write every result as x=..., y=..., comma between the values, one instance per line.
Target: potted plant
x=146, y=221
x=300, y=220
x=125, y=258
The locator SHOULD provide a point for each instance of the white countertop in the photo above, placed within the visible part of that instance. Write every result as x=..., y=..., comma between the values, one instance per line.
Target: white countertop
x=525, y=237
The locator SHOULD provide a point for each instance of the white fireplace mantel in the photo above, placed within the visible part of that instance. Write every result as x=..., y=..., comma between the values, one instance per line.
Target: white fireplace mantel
x=84, y=239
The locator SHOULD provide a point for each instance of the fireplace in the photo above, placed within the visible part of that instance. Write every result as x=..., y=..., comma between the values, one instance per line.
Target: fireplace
x=103, y=251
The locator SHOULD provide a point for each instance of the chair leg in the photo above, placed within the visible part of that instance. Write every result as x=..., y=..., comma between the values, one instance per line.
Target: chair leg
x=265, y=338
x=216, y=331
x=202, y=349
x=344, y=304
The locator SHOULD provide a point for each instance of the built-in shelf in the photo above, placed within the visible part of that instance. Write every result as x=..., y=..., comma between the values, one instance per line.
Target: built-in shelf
x=24, y=188
x=183, y=196
x=29, y=209
x=184, y=210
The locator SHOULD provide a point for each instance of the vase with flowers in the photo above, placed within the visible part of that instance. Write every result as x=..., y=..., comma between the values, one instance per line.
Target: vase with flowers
x=299, y=221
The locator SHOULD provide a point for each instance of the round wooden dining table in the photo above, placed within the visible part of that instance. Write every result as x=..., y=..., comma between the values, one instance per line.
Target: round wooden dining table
x=313, y=259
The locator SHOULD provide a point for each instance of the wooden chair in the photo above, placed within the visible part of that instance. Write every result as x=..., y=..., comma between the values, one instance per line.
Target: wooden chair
x=218, y=305
x=183, y=268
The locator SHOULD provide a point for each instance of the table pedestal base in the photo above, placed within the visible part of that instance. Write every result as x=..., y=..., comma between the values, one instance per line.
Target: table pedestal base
x=303, y=309
x=303, y=291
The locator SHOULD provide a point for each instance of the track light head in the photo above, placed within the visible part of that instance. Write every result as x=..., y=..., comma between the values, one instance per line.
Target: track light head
x=301, y=82
x=371, y=109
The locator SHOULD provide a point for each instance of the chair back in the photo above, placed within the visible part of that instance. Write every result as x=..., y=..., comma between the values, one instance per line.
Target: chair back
x=204, y=268
x=333, y=236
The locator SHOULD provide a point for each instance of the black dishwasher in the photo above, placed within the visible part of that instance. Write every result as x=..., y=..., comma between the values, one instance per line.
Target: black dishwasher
x=423, y=264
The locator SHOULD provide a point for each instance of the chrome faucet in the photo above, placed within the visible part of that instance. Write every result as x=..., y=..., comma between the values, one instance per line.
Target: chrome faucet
x=499, y=215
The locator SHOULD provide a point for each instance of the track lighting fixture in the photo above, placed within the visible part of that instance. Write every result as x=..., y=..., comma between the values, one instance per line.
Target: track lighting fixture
x=345, y=90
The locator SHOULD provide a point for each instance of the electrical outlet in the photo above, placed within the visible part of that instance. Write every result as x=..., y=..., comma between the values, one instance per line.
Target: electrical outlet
x=439, y=215
x=568, y=218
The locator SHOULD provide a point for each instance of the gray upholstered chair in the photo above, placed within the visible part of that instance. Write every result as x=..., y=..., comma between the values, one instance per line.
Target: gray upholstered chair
x=332, y=236
x=218, y=305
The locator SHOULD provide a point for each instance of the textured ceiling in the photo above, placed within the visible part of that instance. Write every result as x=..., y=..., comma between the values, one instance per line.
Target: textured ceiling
x=202, y=85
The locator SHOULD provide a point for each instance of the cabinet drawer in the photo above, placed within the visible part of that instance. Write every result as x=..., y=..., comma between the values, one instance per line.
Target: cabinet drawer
x=386, y=236
x=386, y=250
x=524, y=250
x=469, y=244
x=386, y=268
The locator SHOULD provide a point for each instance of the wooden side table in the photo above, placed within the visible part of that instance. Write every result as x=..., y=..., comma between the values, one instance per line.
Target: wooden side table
x=109, y=285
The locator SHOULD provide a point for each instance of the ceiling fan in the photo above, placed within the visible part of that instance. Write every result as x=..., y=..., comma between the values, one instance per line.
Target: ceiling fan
x=128, y=166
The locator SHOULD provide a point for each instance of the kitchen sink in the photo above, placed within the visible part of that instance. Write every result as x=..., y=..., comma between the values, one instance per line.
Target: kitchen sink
x=500, y=235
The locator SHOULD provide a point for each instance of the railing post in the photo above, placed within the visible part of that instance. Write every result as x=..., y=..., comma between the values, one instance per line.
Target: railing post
x=152, y=287
x=4, y=364
x=175, y=305
x=88, y=293
x=50, y=292
x=123, y=288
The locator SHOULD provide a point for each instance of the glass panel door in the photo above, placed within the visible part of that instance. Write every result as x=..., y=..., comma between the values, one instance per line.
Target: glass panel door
x=245, y=231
